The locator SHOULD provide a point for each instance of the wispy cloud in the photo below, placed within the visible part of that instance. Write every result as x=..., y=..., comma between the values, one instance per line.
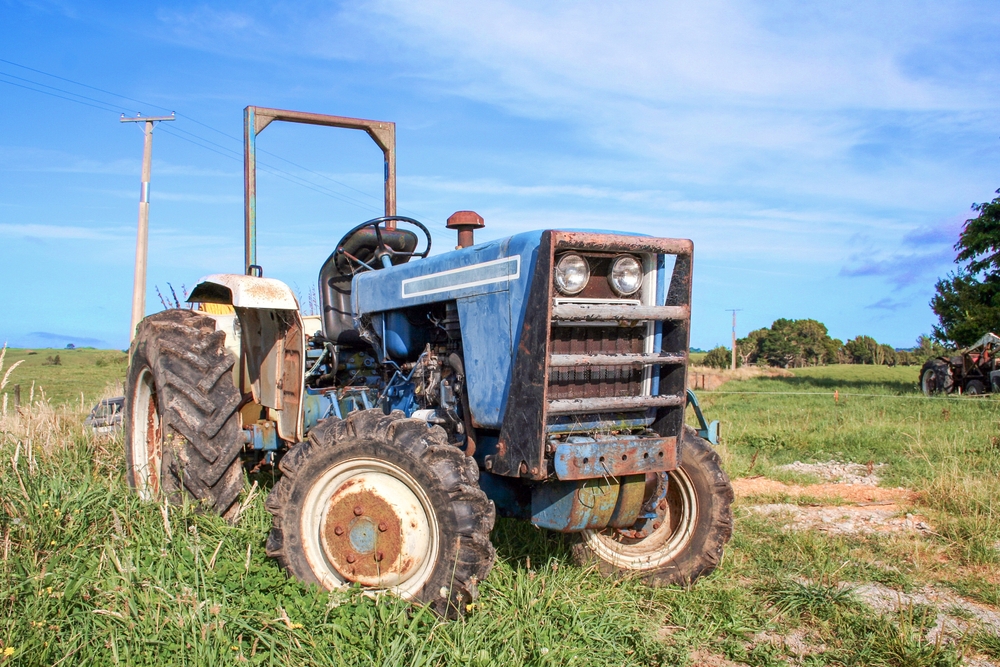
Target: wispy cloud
x=921, y=253
x=889, y=304
x=62, y=232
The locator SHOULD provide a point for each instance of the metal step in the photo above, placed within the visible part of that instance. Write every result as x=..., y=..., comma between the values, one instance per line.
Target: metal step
x=570, y=405
x=579, y=312
x=584, y=360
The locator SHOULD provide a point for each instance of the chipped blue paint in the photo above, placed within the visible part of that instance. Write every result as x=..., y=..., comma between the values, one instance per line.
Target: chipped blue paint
x=488, y=282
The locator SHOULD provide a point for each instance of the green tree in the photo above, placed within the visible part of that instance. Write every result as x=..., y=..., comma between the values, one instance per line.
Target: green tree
x=748, y=350
x=718, y=357
x=967, y=302
x=795, y=343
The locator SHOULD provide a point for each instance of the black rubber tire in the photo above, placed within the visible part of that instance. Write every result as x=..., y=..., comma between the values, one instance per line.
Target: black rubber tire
x=449, y=479
x=180, y=357
x=935, y=377
x=975, y=388
x=700, y=474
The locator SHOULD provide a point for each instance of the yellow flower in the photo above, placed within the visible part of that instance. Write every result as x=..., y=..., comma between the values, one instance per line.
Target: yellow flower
x=9, y=651
x=234, y=648
x=52, y=543
x=296, y=626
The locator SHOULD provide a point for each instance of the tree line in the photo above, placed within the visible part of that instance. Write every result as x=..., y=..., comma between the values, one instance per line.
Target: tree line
x=966, y=303
x=798, y=343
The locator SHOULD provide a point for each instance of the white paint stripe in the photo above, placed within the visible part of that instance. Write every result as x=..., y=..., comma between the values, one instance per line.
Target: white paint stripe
x=516, y=260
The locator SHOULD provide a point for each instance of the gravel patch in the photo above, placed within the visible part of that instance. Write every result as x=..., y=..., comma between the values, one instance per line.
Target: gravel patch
x=956, y=615
x=837, y=472
x=844, y=520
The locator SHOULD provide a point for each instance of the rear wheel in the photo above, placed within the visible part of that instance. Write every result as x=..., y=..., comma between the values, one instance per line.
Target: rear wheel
x=687, y=522
x=935, y=377
x=182, y=432
x=384, y=502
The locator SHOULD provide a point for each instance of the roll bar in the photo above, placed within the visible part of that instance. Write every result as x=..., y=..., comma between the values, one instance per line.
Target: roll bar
x=255, y=119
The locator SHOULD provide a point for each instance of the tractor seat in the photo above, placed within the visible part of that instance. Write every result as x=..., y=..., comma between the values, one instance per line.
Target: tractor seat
x=337, y=271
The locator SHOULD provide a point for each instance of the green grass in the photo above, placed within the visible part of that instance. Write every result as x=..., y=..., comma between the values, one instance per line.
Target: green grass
x=82, y=370
x=89, y=571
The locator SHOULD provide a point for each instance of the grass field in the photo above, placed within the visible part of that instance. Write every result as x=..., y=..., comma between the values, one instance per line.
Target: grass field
x=94, y=373
x=89, y=574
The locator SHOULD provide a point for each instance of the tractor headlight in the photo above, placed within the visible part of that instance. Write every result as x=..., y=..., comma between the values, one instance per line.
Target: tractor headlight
x=626, y=275
x=572, y=273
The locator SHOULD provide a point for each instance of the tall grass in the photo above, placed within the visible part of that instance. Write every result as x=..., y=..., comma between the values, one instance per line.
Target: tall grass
x=90, y=574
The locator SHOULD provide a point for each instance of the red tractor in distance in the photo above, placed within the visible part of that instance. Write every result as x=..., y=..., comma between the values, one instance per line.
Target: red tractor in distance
x=970, y=371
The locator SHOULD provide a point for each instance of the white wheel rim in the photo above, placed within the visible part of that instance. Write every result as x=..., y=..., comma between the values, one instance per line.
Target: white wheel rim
x=147, y=437
x=664, y=543
x=394, y=539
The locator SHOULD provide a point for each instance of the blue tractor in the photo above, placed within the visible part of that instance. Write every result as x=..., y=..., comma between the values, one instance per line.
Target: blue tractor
x=539, y=376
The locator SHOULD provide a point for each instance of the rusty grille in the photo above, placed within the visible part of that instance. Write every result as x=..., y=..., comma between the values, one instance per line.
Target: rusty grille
x=598, y=382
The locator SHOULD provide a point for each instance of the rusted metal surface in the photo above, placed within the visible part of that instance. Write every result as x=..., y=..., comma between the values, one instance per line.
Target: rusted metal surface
x=565, y=359
x=466, y=222
x=571, y=405
x=617, y=243
x=243, y=292
x=630, y=501
x=572, y=506
x=255, y=119
x=577, y=312
x=614, y=458
x=642, y=359
x=362, y=538
x=523, y=431
x=154, y=444
x=603, y=381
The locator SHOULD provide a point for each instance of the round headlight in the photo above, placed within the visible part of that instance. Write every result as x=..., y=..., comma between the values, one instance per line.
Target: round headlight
x=572, y=274
x=626, y=275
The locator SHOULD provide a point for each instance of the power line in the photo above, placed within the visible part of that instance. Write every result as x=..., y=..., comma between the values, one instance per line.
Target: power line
x=45, y=92
x=84, y=85
x=269, y=168
x=284, y=175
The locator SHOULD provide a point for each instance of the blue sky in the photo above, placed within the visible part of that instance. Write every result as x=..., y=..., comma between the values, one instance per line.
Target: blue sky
x=822, y=158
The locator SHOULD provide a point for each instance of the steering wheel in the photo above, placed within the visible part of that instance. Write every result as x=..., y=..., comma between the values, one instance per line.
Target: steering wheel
x=384, y=254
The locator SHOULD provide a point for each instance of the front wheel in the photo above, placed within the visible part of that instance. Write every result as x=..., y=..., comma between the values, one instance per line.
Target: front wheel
x=686, y=521
x=386, y=503
x=182, y=430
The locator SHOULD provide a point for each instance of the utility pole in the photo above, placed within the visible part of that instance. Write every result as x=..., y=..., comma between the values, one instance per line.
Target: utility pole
x=734, y=311
x=141, y=242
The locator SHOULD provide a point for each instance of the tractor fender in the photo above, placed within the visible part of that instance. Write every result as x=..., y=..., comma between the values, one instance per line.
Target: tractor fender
x=242, y=291
x=268, y=333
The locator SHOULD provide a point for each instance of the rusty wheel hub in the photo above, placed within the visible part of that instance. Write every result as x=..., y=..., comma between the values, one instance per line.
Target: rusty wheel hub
x=146, y=437
x=373, y=525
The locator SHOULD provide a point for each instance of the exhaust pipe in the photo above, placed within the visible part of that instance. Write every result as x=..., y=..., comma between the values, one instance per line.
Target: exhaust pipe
x=466, y=222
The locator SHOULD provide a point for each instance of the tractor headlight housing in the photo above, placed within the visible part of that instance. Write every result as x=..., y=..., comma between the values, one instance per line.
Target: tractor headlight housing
x=625, y=275
x=572, y=273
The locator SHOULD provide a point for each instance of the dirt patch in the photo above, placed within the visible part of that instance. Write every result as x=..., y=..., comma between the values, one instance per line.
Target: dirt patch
x=703, y=377
x=798, y=643
x=856, y=493
x=837, y=472
x=956, y=615
x=844, y=519
x=706, y=659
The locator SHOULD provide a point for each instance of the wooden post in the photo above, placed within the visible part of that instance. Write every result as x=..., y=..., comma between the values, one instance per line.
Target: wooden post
x=141, y=241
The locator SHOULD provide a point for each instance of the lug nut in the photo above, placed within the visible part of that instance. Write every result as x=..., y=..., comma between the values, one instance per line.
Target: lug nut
x=662, y=505
x=383, y=526
x=358, y=510
x=339, y=530
x=656, y=525
x=351, y=558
